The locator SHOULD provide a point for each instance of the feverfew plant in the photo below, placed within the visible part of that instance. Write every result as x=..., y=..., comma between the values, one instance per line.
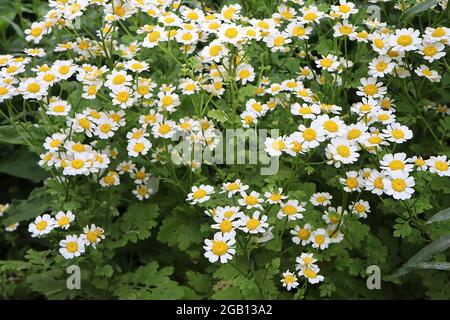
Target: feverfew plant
x=103, y=94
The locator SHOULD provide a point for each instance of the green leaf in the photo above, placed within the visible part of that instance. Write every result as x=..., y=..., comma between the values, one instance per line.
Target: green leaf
x=440, y=216
x=149, y=283
x=187, y=230
x=135, y=224
x=37, y=203
x=23, y=164
x=418, y=8
x=218, y=115
x=434, y=265
x=10, y=135
x=423, y=256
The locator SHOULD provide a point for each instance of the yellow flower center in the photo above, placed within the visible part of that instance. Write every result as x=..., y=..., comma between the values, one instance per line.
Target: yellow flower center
x=77, y=163
x=41, y=225
x=303, y=234
x=404, y=40
x=289, y=210
x=226, y=226
x=396, y=165
x=343, y=151
x=309, y=134
x=398, y=185
x=33, y=87
x=199, y=194
x=441, y=165
x=219, y=248
x=72, y=246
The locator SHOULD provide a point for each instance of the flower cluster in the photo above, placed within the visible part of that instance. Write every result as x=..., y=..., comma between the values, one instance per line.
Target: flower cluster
x=73, y=245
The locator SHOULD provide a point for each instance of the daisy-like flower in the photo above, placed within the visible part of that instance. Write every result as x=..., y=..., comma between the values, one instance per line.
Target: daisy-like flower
x=371, y=88
x=275, y=147
x=333, y=216
x=228, y=223
x=200, y=194
x=72, y=246
x=419, y=163
x=64, y=219
x=79, y=163
x=277, y=41
x=12, y=227
x=220, y=248
x=64, y=69
x=342, y=151
x=154, y=37
x=320, y=239
x=289, y=280
x=425, y=71
x=123, y=97
x=294, y=144
x=110, y=179
x=231, y=188
x=301, y=234
x=254, y=224
x=142, y=192
x=345, y=9
x=305, y=260
x=312, y=136
x=381, y=66
x=215, y=51
x=230, y=33
x=329, y=63
x=42, y=225
x=307, y=111
x=33, y=88
x=396, y=162
x=321, y=199
x=275, y=197
x=245, y=73
x=165, y=129
x=92, y=235
x=405, y=40
x=135, y=66
x=137, y=147
x=441, y=34
x=251, y=201
x=397, y=133
x=439, y=165
x=312, y=274
x=360, y=208
x=311, y=14
x=352, y=181
x=399, y=185
x=256, y=107
x=343, y=29
x=58, y=108
x=36, y=31
x=431, y=50
x=291, y=209
x=374, y=183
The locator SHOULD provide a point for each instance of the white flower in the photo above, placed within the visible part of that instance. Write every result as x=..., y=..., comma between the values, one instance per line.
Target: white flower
x=397, y=133
x=301, y=234
x=275, y=147
x=289, y=280
x=291, y=209
x=92, y=235
x=42, y=225
x=72, y=246
x=439, y=165
x=405, y=40
x=200, y=194
x=320, y=239
x=360, y=208
x=399, y=185
x=250, y=201
x=231, y=188
x=64, y=219
x=352, y=181
x=254, y=224
x=321, y=199
x=396, y=162
x=220, y=248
